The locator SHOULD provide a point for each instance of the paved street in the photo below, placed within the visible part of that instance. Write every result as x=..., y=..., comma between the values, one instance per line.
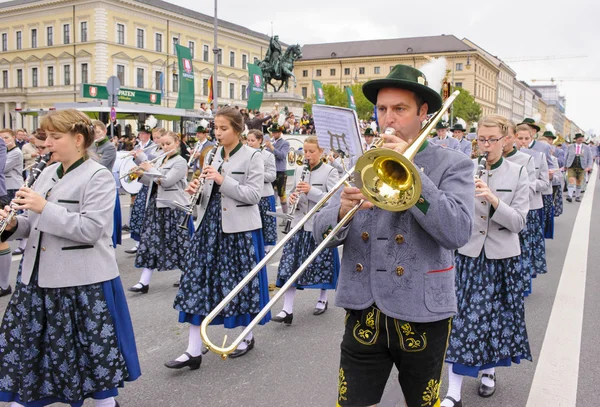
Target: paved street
x=297, y=365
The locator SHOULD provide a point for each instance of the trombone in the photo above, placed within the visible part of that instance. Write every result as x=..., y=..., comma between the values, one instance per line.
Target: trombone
x=387, y=178
x=131, y=174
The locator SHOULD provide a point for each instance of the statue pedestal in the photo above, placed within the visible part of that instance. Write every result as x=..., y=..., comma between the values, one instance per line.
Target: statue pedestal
x=294, y=102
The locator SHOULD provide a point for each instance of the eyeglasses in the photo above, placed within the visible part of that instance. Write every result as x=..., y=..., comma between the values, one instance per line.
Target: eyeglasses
x=490, y=141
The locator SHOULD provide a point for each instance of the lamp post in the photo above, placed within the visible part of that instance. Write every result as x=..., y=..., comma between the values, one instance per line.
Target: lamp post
x=216, y=54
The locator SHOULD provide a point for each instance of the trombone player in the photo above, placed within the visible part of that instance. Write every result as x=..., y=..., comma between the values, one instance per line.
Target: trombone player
x=397, y=275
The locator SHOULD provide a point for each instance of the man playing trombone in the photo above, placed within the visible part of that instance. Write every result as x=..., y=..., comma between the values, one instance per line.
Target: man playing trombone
x=397, y=275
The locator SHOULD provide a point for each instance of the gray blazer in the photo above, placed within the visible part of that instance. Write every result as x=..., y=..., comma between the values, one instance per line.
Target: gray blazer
x=321, y=179
x=527, y=161
x=403, y=261
x=105, y=154
x=448, y=142
x=497, y=231
x=270, y=172
x=586, y=156
x=148, y=154
x=281, y=147
x=542, y=179
x=240, y=191
x=465, y=147
x=545, y=148
x=2, y=164
x=13, y=169
x=172, y=186
x=73, y=234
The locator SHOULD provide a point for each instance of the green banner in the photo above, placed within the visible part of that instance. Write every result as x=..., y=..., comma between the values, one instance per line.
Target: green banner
x=351, y=102
x=255, y=87
x=185, y=99
x=125, y=95
x=319, y=94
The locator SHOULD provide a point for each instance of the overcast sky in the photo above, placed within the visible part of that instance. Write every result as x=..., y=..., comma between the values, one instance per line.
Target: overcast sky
x=508, y=29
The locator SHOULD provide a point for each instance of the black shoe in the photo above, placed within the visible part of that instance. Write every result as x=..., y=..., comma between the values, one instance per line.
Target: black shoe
x=319, y=311
x=569, y=199
x=18, y=251
x=238, y=353
x=125, y=228
x=143, y=289
x=5, y=291
x=286, y=320
x=193, y=362
x=456, y=403
x=117, y=404
x=133, y=250
x=486, y=391
x=578, y=199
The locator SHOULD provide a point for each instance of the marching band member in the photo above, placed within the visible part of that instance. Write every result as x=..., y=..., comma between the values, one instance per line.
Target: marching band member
x=13, y=172
x=267, y=200
x=547, y=194
x=534, y=217
x=164, y=244
x=489, y=281
x=205, y=145
x=68, y=306
x=397, y=275
x=5, y=255
x=558, y=159
x=105, y=152
x=228, y=242
x=369, y=136
x=442, y=138
x=324, y=270
x=280, y=148
x=578, y=161
x=464, y=145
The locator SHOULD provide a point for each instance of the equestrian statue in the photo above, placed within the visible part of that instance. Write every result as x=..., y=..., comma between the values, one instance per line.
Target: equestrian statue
x=279, y=65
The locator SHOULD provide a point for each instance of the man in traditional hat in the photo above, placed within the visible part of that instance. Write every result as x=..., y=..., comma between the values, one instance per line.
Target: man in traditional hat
x=204, y=146
x=577, y=162
x=530, y=125
x=397, y=276
x=369, y=137
x=442, y=138
x=464, y=145
x=280, y=148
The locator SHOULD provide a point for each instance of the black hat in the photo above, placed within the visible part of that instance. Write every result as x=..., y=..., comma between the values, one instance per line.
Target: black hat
x=531, y=123
x=143, y=128
x=549, y=134
x=368, y=132
x=441, y=125
x=275, y=128
x=405, y=77
x=458, y=127
x=579, y=135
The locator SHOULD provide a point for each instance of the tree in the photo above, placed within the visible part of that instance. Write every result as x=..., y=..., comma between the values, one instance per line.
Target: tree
x=466, y=107
x=336, y=96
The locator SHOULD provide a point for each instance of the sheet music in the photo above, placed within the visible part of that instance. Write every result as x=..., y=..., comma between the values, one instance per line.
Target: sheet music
x=337, y=129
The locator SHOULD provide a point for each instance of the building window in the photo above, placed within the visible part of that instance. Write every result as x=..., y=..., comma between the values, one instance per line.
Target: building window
x=50, y=36
x=318, y=73
x=377, y=70
x=205, y=53
x=121, y=34
x=175, y=42
x=459, y=66
x=220, y=57
x=175, y=82
x=346, y=71
x=4, y=42
x=84, y=32
x=205, y=89
x=244, y=61
x=34, y=77
x=50, y=76
x=305, y=73
x=158, y=80
x=232, y=59
x=192, y=47
x=458, y=85
x=19, y=78
x=244, y=91
x=361, y=70
x=84, y=73
x=158, y=42
x=5, y=79
x=219, y=89
x=304, y=92
x=19, y=40
x=231, y=91
x=140, y=78
x=67, y=74
x=140, y=38
x=34, y=38
x=66, y=33
x=332, y=72
x=121, y=74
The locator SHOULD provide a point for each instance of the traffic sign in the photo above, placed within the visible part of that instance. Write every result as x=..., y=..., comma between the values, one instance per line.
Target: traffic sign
x=113, y=114
x=113, y=85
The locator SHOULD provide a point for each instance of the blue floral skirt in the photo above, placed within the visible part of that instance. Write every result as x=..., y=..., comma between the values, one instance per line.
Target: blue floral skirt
x=489, y=328
x=558, y=200
x=215, y=264
x=548, y=216
x=269, y=223
x=63, y=345
x=138, y=211
x=533, y=237
x=117, y=224
x=322, y=273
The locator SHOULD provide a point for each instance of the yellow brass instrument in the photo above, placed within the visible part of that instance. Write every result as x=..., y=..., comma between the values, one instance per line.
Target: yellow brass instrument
x=132, y=174
x=295, y=157
x=386, y=178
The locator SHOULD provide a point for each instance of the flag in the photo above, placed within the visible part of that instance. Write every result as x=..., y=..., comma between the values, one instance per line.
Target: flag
x=210, y=90
x=255, y=87
x=350, y=95
x=319, y=94
x=185, y=99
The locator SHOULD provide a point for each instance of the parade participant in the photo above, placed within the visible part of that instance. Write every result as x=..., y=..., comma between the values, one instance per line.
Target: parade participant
x=138, y=209
x=533, y=128
x=536, y=204
x=464, y=145
x=280, y=148
x=547, y=194
x=489, y=279
x=442, y=138
x=205, y=146
x=13, y=170
x=164, y=244
x=323, y=272
x=82, y=343
x=558, y=179
x=30, y=153
x=578, y=161
x=397, y=275
x=227, y=244
x=369, y=137
x=267, y=200
x=5, y=255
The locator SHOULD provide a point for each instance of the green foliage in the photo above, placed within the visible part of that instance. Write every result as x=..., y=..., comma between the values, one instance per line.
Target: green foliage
x=336, y=96
x=466, y=107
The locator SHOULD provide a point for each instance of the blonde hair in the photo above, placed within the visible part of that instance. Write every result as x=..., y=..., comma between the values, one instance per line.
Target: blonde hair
x=526, y=127
x=172, y=134
x=313, y=140
x=494, y=120
x=8, y=131
x=69, y=121
x=99, y=124
x=160, y=131
x=512, y=126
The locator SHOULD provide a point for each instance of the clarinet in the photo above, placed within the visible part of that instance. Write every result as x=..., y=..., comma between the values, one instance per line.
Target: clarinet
x=288, y=222
x=196, y=196
x=482, y=165
x=34, y=174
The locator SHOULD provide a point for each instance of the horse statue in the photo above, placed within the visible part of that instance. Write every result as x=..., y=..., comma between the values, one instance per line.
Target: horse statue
x=280, y=67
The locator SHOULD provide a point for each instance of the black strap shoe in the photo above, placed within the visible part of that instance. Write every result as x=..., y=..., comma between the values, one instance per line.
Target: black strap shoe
x=193, y=362
x=143, y=289
x=286, y=320
x=486, y=391
x=319, y=311
x=249, y=347
x=578, y=199
x=5, y=291
x=456, y=403
x=569, y=199
x=18, y=251
x=133, y=250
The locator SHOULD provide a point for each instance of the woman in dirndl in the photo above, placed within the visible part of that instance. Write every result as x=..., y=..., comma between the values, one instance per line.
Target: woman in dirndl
x=322, y=273
x=489, y=327
x=66, y=334
x=227, y=244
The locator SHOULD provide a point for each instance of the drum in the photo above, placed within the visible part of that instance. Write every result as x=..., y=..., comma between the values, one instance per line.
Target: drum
x=133, y=187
